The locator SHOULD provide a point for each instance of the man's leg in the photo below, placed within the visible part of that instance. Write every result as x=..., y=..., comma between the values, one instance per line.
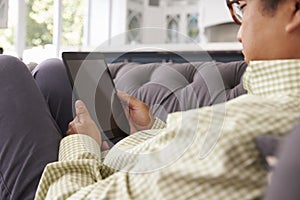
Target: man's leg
x=286, y=177
x=52, y=79
x=29, y=137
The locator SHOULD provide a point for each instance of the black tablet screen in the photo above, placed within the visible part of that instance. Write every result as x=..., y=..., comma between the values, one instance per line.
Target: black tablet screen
x=93, y=84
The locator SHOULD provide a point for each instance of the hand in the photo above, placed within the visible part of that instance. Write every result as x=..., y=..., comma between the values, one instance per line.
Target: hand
x=138, y=113
x=83, y=124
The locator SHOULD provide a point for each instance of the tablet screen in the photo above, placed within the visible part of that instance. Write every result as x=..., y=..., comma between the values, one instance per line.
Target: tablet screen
x=92, y=83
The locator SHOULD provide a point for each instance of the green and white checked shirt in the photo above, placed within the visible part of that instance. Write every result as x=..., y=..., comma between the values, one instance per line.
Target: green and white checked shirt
x=202, y=154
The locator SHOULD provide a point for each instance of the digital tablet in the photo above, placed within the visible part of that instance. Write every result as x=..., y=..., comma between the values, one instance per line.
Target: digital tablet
x=92, y=83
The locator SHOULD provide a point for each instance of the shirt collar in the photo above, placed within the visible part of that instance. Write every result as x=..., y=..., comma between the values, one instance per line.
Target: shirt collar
x=272, y=77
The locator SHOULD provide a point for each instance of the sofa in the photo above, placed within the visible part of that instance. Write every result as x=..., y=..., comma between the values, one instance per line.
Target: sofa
x=171, y=87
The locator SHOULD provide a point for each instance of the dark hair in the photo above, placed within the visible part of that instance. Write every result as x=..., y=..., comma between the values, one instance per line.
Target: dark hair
x=270, y=6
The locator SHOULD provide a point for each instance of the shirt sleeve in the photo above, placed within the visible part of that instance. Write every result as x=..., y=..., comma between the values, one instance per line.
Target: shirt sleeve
x=78, y=166
x=78, y=169
x=158, y=124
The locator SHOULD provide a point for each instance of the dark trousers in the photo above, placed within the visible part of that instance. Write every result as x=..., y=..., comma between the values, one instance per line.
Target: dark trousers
x=51, y=77
x=29, y=136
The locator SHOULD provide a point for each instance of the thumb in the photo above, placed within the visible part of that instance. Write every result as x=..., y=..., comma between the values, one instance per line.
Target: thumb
x=127, y=99
x=123, y=96
x=81, y=111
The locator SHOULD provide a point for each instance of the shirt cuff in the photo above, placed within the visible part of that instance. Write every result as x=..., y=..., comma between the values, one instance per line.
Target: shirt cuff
x=78, y=146
x=158, y=124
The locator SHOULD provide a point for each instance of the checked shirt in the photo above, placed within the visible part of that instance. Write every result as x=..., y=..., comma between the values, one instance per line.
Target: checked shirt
x=205, y=154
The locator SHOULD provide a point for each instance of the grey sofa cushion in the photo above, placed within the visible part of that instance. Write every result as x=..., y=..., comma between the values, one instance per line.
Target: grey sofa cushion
x=269, y=146
x=171, y=87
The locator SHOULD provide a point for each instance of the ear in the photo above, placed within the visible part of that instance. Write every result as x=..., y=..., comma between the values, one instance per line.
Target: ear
x=295, y=20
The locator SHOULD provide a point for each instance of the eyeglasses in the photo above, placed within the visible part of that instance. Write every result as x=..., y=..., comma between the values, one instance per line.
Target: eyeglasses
x=235, y=10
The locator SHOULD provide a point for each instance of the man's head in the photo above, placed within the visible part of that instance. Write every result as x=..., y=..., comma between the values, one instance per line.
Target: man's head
x=270, y=29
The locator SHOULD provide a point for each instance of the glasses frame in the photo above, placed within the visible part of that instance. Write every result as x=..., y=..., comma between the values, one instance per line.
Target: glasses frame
x=229, y=5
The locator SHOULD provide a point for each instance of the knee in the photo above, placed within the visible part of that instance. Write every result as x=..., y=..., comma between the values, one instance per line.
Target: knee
x=11, y=64
x=51, y=77
x=52, y=62
x=50, y=71
x=14, y=73
x=49, y=66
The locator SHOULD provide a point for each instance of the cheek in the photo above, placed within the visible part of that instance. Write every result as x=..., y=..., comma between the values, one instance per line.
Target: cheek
x=251, y=41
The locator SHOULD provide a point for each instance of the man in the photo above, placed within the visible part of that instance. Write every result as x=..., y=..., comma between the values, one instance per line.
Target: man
x=138, y=167
x=232, y=170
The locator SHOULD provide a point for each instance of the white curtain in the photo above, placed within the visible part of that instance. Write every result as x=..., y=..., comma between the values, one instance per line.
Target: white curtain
x=3, y=13
x=216, y=12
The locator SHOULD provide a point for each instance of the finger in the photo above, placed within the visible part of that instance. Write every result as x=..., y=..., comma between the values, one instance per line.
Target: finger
x=123, y=97
x=82, y=113
x=133, y=128
x=104, y=146
x=70, y=132
x=130, y=101
x=71, y=129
